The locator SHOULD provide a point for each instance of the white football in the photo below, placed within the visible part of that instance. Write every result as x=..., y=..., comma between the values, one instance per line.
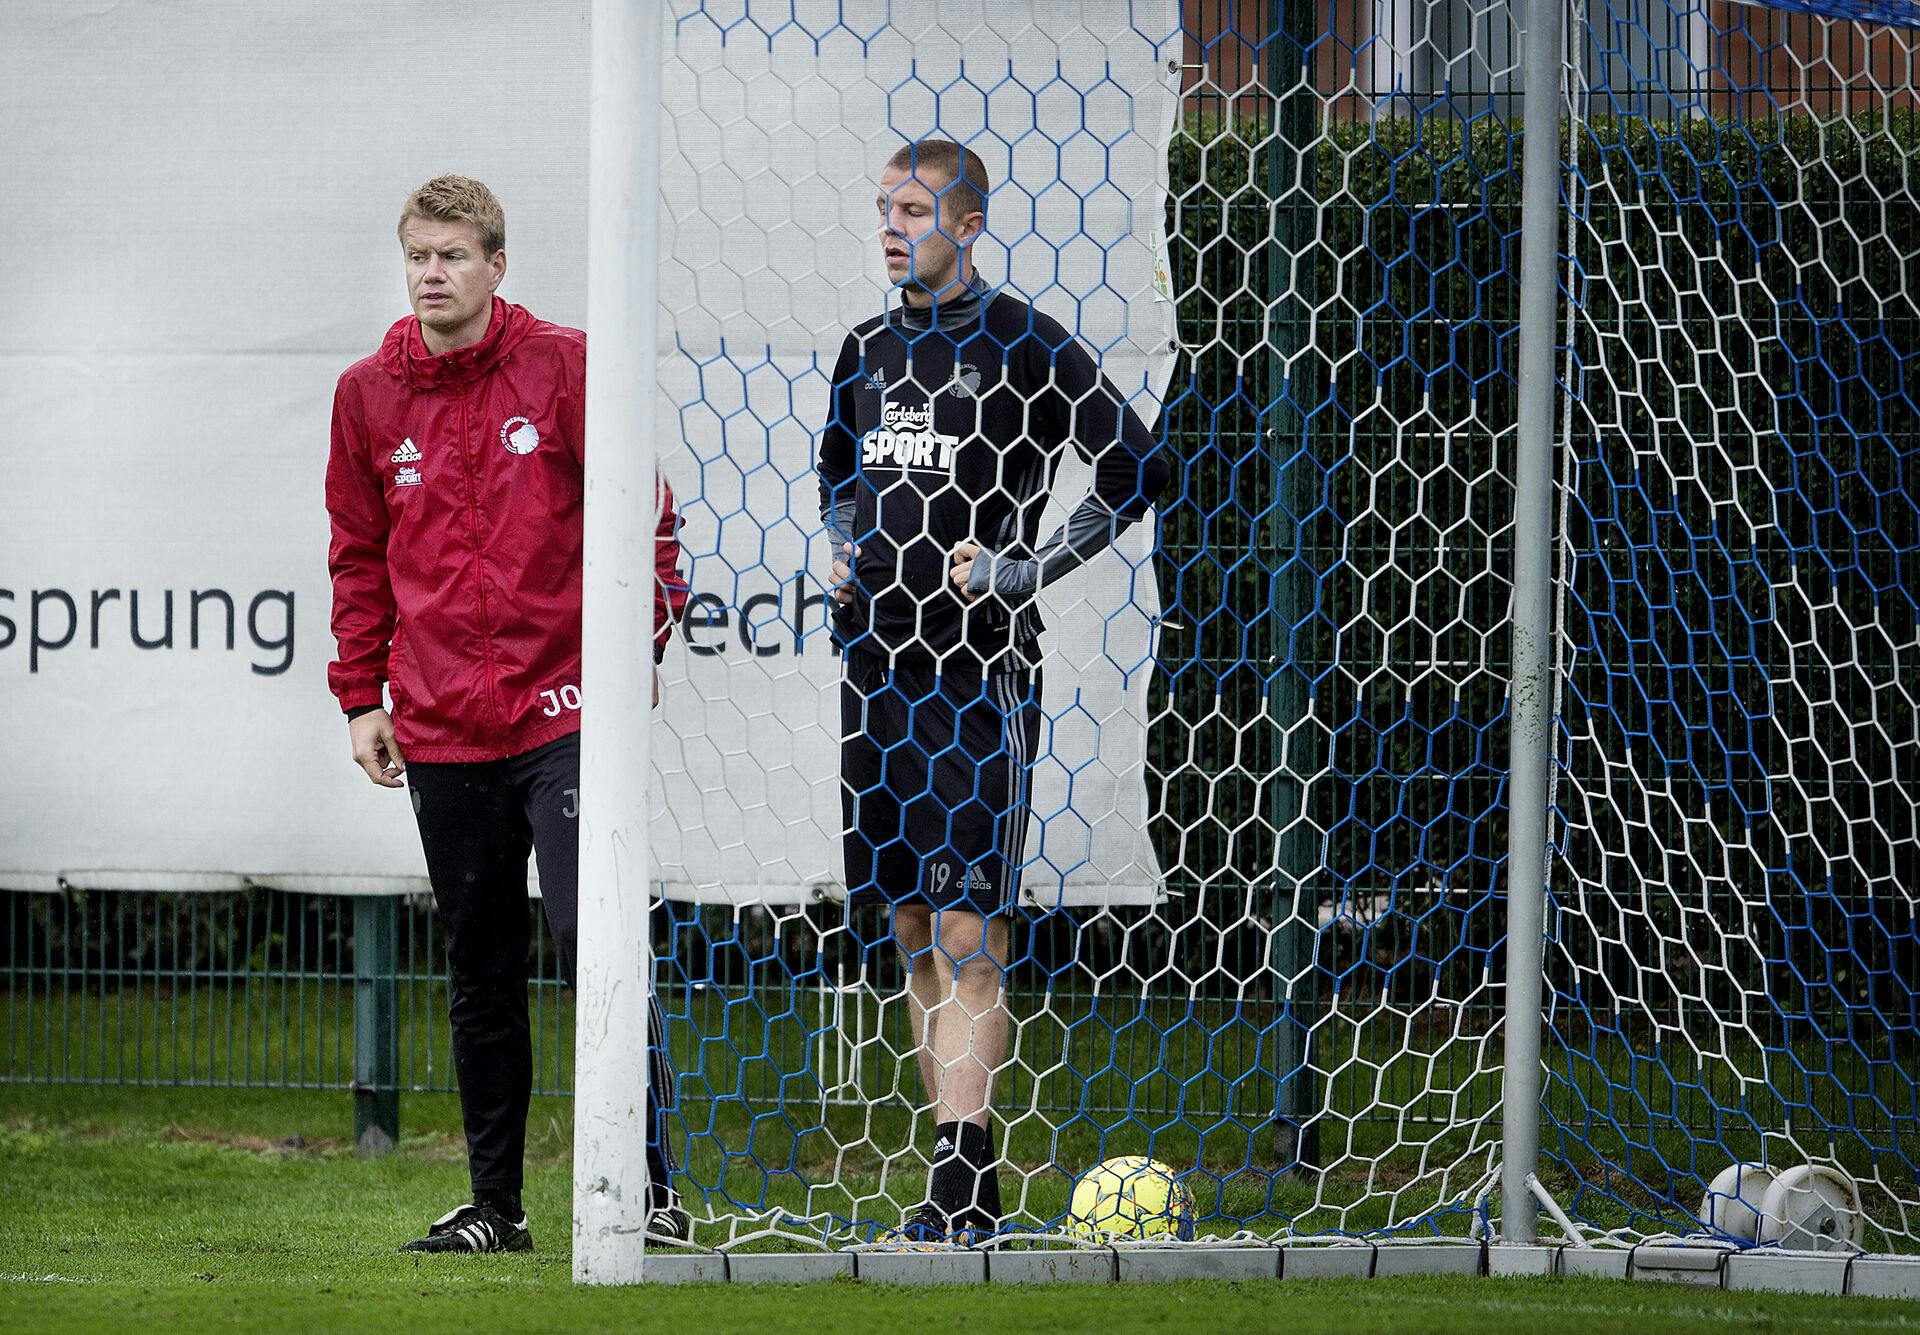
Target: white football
x=1733, y=1200
x=1813, y=1208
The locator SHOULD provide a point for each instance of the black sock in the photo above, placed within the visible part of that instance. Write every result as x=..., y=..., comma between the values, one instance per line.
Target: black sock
x=502, y=1202
x=659, y=1183
x=976, y=1147
x=963, y=1183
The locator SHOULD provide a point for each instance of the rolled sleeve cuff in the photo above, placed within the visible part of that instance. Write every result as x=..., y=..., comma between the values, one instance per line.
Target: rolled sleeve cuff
x=362, y=698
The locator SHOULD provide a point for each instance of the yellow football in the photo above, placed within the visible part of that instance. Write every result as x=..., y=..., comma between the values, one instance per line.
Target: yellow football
x=1130, y=1198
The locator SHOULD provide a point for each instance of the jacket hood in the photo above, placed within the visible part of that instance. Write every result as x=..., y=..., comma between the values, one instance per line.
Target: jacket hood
x=403, y=353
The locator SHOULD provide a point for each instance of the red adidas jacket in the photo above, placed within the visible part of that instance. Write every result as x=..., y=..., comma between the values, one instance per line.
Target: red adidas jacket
x=455, y=488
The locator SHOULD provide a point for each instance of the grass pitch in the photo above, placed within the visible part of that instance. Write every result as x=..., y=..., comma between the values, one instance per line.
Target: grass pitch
x=165, y=1209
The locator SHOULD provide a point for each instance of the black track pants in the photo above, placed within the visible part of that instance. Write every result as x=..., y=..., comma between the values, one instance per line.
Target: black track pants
x=478, y=823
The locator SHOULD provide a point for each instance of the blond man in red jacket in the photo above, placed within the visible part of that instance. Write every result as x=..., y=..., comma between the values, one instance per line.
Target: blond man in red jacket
x=455, y=488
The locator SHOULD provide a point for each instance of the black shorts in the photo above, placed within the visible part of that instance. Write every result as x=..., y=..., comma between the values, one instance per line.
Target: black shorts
x=934, y=782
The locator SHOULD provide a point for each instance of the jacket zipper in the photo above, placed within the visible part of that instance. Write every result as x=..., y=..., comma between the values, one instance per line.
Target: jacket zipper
x=479, y=574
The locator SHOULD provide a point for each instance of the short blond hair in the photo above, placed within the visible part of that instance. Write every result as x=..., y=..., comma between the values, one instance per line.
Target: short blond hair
x=964, y=188
x=459, y=199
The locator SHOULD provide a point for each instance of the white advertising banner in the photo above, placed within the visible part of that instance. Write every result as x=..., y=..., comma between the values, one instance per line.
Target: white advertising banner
x=197, y=230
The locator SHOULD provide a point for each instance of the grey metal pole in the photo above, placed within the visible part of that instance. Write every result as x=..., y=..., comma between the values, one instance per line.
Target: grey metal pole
x=1286, y=172
x=1530, y=696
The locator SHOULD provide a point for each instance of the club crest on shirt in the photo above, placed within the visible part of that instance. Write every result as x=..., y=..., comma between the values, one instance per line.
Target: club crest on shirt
x=519, y=435
x=966, y=382
x=906, y=439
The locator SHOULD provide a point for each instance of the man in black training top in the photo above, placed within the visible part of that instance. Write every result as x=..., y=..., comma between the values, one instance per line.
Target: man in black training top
x=948, y=416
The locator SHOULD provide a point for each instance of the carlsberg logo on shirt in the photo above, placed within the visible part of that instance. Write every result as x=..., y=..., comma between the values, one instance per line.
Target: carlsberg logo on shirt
x=905, y=438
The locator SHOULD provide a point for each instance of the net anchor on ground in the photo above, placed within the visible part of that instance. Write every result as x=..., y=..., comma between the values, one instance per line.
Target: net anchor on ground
x=1537, y=1190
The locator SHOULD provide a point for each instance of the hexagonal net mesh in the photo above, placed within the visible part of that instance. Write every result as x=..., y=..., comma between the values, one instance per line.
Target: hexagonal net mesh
x=1733, y=962
x=1257, y=912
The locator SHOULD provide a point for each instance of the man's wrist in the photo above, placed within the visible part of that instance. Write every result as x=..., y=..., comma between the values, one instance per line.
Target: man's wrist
x=1006, y=576
x=355, y=711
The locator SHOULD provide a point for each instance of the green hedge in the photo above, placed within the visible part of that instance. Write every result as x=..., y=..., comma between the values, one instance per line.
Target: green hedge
x=1320, y=558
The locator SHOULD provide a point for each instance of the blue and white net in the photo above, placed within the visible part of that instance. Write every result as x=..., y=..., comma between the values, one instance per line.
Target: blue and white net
x=1260, y=936
x=1733, y=958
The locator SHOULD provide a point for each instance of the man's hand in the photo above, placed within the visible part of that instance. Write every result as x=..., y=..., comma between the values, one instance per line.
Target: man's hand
x=374, y=749
x=963, y=554
x=843, y=574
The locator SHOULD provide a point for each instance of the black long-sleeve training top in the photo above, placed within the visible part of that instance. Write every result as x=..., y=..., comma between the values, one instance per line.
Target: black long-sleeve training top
x=945, y=425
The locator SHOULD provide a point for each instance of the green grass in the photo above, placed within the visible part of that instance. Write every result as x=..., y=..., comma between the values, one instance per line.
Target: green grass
x=170, y=1208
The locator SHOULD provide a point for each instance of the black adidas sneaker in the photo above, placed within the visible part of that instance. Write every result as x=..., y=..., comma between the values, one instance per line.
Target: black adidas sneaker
x=927, y=1226
x=667, y=1221
x=975, y=1227
x=474, y=1228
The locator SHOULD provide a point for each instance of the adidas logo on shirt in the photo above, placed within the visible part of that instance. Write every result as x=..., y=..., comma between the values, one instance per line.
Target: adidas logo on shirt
x=877, y=382
x=408, y=453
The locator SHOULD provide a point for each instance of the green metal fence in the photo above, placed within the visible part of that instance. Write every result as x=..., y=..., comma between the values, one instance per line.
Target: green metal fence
x=253, y=989
x=267, y=989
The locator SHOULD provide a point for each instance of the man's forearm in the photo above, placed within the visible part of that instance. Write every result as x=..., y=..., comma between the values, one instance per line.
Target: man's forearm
x=1089, y=530
x=838, y=517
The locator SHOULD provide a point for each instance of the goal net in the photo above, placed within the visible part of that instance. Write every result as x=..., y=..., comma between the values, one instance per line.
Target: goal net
x=1732, y=962
x=1261, y=923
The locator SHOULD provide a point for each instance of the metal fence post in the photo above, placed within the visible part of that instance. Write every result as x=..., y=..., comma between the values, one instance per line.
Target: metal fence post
x=376, y=1066
x=1286, y=168
x=1530, y=698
